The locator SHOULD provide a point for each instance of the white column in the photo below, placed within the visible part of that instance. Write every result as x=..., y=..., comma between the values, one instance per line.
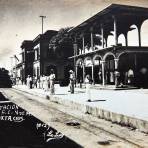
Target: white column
x=83, y=73
x=92, y=42
x=102, y=35
x=24, y=56
x=116, y=63
x=103, y=72
x=76, y=70
x=135, y=60
x=126, y=40
x=93, y=73
x=106, y=42
x=116, y=72
x=83, y=43
x=115, y=31
x=139, y=36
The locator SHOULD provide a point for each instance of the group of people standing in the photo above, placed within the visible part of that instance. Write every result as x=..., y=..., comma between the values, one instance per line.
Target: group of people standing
x=88, y=82
x=47, y=83
x=43, y=82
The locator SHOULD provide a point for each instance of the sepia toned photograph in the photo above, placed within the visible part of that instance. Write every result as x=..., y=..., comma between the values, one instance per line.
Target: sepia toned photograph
x=74, y=74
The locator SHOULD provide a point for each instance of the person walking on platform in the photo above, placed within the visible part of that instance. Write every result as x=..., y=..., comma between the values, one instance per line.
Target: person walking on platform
x=72, y=81
x=42, y=81
x=46, y=83
x=34, y=82
x=88, y=84
x=30, y=82
x=27, y=81
x=38, y=82
x=52, y=81
x=130, y=76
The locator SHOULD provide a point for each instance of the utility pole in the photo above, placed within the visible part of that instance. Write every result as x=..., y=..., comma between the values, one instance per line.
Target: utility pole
x=75, y=53
x=40, y=67
x=11, y=68
x=42, y=18
x=16, y=59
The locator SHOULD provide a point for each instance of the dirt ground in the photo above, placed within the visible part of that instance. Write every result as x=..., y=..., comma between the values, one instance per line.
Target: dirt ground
x=86, y=130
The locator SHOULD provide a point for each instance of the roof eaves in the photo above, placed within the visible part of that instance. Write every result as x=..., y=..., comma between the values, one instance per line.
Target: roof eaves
x=108, y=10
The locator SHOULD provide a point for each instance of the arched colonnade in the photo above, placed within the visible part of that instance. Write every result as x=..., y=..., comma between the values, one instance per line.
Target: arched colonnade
x=104, y=69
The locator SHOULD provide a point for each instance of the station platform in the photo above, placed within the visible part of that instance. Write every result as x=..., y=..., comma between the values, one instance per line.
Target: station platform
x=126, y=107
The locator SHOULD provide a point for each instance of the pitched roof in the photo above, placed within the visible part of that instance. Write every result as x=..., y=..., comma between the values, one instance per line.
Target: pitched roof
x=114, y=9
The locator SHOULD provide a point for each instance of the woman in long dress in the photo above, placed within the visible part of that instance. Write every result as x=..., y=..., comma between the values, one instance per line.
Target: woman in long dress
x=71, y=84
x=41, y=82
x=52, y=80
x=46, y=83
x=88, y=84
x=27, y=81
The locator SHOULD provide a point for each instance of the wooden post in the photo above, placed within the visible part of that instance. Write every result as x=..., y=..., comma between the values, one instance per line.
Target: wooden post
x=116, y=63
x=83, y=73
x=92, y=44
x=102, y=35
x=139, y=36
x=103, y=72
x=76, y=72
x=126, y=39
x=117, y=74
x=83, y=43
x=93, y=73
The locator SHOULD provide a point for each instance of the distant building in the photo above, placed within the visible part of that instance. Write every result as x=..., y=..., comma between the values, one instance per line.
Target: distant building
x=46, y=58
x=26, y=67
x=38, y=58
x=5, y=78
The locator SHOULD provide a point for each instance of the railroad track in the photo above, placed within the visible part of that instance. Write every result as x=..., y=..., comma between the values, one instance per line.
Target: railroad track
x=63, y=116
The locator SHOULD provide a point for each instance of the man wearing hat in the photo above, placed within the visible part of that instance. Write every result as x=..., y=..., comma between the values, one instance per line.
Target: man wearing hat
x=72, y=79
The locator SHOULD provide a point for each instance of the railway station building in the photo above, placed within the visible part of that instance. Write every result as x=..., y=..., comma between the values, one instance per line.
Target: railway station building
x=103, y=50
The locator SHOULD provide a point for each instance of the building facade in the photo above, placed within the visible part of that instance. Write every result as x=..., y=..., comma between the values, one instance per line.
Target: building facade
x=38, y=58
x=117, y=63
x=46, y=58
x=25, y=67
x=41, y=53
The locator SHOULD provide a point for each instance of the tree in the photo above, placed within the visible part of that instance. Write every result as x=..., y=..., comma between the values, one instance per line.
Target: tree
x=4, y=78
x=61, y=44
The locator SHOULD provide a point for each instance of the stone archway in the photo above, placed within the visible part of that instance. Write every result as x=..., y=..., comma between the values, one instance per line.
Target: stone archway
x=137, y=62
x=144, y=33
x=80, y=70
x=126, y=62
x=88, y=62
x=97, y=69
x=109, y=68
x=122, y=40
x=133, y=36
x=67, y=68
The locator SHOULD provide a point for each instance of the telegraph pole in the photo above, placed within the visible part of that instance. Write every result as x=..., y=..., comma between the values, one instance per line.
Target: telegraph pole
x=42, y=18
x=16, y=59
x=11, y=69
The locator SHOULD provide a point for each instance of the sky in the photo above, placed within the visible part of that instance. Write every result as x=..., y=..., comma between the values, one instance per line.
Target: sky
x=20, y=19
